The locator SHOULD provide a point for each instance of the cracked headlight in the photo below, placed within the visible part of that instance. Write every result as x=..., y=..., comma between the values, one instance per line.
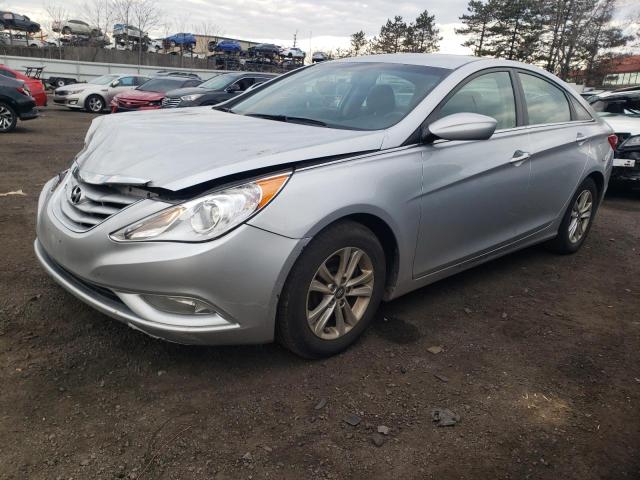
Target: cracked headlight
x=191, y=98
x=206, y=217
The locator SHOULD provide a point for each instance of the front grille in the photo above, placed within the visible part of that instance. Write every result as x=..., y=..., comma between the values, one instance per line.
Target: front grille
x=82, y=206
x=172, y=102
x=132, y=104
x=61, y=94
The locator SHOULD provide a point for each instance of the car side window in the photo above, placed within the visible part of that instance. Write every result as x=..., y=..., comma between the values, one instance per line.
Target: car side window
x=490, y=94
x=581, y=112
x=245, y=83
x=140, y=80
x=545, y=102
x=192, y=83
x=127, y=82
x=7, y=73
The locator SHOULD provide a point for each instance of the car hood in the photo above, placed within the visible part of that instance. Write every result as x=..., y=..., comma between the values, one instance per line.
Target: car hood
x=623, y=123
x=179, y=92
x=202, y=145
x=75, y=87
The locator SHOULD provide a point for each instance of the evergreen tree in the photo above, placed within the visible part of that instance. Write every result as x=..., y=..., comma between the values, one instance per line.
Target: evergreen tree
x=358, y=43
x=422, y=36
x=476, y=25
x=517, y=30
x=392, y=36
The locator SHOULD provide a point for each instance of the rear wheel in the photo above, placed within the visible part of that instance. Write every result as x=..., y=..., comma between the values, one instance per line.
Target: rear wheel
x=8, y=118
x=332, y=292
x=577, y=219
x=94, y=104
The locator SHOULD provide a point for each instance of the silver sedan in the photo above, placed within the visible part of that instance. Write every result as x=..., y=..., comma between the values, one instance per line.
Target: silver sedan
x=292, y=211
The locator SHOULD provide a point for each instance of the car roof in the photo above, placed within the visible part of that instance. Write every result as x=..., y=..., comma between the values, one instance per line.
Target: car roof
x=425, y=59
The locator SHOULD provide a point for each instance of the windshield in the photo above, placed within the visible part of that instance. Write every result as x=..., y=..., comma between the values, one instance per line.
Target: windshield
x=219, y=82
x=104, y=80
x=161, y=85
x=350, y=95
x=616, y=106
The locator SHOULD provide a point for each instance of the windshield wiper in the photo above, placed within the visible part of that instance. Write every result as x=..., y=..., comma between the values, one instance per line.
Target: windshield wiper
x=224, y=109
x=286, y=118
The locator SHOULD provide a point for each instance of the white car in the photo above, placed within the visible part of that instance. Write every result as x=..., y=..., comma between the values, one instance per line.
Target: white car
x=96, y=95
x=21, y=40
x=621, y=110
x=78, y=27
x=293, y=52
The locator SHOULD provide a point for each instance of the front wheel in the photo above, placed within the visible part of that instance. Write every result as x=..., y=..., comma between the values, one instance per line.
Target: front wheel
x=332, y=292
x=94, y=104
x=577, y=219
x=8, y=118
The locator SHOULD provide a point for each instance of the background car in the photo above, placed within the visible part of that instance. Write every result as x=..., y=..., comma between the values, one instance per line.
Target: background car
x=215, y=90
x=318, y=57
x=184, y=40
x=293, y=52
x=266, y=49
x=15, y=103
x=78, y=27
x=621, y=110
x=225, y=46
x=96, y=95
x=14, y=21
x=149, y=95
x=21, y=40
x=36, y=87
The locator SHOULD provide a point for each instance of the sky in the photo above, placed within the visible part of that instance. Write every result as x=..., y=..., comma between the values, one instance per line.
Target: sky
x=320, y=24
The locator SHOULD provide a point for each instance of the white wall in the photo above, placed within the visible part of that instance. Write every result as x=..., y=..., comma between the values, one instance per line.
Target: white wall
x=84, y=71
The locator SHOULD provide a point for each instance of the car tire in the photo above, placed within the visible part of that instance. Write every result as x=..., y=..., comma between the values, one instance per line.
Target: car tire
x=94, y=104
x=576, y=225
x=66, y=31
x=303, y=325
x=60, y=83
x=8, y=118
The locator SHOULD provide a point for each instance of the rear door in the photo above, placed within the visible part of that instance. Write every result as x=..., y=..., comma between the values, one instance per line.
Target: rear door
x=560, y=139
x=124, y=84
x=474, y=192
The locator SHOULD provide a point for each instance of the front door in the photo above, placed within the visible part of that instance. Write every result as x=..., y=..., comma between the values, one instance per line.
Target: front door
x=474, y=193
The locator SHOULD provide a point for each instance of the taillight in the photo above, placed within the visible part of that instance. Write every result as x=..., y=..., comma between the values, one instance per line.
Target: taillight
x=613, y=141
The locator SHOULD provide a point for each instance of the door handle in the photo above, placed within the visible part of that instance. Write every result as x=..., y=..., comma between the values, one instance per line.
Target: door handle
x=519, y=157
x=580, y=138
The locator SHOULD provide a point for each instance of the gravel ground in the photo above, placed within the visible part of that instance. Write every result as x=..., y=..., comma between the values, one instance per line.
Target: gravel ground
x=538, y=355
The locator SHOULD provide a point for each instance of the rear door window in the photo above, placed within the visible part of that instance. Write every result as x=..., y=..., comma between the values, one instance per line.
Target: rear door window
x=490, y=94
x=545, y=103
x=581, y=112
x=127, y=82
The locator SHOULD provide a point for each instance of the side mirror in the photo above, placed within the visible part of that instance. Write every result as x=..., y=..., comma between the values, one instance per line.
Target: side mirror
x=115, y=83
x=461, y=126
x=233, y=88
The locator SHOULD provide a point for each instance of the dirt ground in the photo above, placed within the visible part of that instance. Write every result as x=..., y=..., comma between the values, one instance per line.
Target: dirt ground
x=540, y=359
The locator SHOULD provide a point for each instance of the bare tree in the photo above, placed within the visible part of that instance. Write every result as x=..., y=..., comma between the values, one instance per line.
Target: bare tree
x=123, y=12
x=145, y=15
x=207, y=30
x=99, y=14
x=57, y=15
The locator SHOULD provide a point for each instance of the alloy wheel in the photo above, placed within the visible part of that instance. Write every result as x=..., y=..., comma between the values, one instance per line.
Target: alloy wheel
x=580, y=216
x=95, y=104
x=340, y=293
x=6, y=118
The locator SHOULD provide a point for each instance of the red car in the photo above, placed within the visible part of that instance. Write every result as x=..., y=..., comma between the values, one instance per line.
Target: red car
x=35, y=86
x=149, y=95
